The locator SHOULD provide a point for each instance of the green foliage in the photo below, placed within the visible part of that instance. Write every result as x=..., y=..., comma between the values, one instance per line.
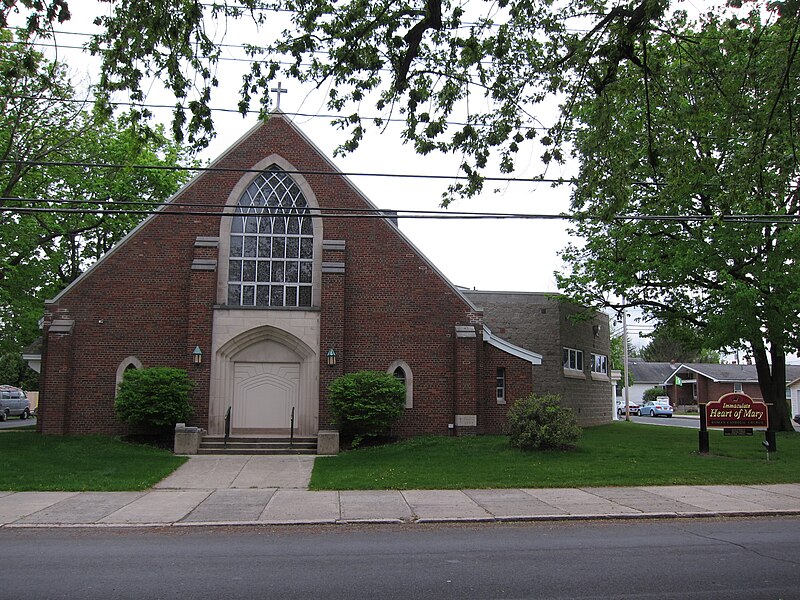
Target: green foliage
x=366, y=403
x=43, y=247
x=157, y=396
x=666, y=346
x=541, y=423
x=704, y=131
x=650, y=394
x=467, y=79
x=15, y=371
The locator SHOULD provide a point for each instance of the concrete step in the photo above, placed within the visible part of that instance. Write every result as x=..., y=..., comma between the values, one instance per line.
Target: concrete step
x=257, y=445
x=256, y=451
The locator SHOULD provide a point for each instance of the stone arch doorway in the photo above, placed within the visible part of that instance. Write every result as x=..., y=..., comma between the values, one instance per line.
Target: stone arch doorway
x=263, y=374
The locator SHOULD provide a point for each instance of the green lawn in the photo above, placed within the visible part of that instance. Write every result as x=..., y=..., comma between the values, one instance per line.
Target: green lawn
x=33, y=462
x=620, y=454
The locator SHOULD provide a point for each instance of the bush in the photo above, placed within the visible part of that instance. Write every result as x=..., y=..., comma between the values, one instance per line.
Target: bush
x=15, y=371
x=541, y=423
x=651, y=394
x=366, y=403
x=158, y=396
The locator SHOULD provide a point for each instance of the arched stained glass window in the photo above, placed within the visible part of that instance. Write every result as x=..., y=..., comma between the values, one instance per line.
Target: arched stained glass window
x=272, y=244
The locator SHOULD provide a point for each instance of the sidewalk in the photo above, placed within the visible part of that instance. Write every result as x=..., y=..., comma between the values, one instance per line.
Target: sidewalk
x=248, y=490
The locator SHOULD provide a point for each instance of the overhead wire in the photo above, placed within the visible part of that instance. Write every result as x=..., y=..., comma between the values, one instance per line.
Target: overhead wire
x=213, y=169
x=216, y=210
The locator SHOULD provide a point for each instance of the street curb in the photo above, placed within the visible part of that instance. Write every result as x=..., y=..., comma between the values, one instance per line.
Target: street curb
x=424, y=521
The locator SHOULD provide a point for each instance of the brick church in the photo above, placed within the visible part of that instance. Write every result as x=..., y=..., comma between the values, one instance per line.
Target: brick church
x=255, y=281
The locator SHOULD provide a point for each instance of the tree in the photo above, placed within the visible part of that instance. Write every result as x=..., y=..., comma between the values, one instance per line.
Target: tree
x=667, y=347
x=486, y=66
x=672, y=152
x=55, y=215
x=14, y=371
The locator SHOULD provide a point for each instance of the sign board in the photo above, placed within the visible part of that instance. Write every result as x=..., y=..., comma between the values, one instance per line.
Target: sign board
x=466, y=420
x=737, y=432
x=737, y=410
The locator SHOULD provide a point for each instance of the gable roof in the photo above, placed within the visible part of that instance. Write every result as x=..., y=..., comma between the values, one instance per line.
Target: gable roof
x=391, y=222
x=729, y=373
x=653, y=373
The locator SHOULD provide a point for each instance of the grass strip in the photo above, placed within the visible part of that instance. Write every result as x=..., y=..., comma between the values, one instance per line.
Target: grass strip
x=619, y=454
x=33, y=462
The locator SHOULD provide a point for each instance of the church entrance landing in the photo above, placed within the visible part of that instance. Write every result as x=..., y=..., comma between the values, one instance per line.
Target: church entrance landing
x=265, y=372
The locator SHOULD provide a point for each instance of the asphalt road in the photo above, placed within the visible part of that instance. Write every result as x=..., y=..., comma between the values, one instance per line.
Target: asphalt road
x=681, y=558
x=15, y=422
x=673, y=421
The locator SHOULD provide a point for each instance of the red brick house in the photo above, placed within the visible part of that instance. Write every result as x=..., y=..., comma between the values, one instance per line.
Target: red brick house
x=257, y=270
x=699, y=383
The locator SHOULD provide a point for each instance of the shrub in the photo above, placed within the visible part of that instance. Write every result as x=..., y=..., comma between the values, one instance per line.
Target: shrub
x=541, y=423
x=366, y=403
x=157, y=396
x=651, y=394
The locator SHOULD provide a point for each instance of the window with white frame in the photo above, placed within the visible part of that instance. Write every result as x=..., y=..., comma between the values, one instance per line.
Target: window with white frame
x=501, y=385
x=737, y=387
x=573, y=359
x=272, y=244
x=599, y=363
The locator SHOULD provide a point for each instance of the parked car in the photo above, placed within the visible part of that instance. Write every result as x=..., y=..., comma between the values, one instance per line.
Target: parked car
x=13, y=403
x=656, y=409
x=633, y=407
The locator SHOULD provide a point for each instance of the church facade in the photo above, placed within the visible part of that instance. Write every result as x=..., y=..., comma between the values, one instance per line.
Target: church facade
x=260, y=280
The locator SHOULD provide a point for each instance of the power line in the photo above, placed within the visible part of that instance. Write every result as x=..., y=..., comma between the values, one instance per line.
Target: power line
x=249, y=111
x=312, y=213
x=93, y=165
x=366, y=213
x=198, y=169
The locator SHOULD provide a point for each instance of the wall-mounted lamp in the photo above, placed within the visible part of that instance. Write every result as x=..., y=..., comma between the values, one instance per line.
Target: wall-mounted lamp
x=331, y=355
x=596, y=330
x=197, y=356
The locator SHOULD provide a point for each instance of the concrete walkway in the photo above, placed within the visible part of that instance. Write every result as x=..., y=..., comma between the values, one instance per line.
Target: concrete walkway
x=258, y=490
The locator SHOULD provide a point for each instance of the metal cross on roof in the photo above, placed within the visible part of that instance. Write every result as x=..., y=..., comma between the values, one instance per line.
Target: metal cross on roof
x=278, y=91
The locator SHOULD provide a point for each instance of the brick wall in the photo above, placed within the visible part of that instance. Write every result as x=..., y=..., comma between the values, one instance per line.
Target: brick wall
x=145, y=300
x=543, y=324
x=519, y=381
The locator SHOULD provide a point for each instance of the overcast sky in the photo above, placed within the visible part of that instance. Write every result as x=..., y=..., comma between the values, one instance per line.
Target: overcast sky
x=518, y=255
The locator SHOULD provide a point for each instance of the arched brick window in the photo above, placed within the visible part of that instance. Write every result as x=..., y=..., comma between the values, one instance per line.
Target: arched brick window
x=272, y=244
x=129, y=363
x=402, y=371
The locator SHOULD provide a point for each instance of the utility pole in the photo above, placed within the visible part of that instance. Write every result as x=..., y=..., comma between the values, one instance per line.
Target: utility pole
x=626, y=391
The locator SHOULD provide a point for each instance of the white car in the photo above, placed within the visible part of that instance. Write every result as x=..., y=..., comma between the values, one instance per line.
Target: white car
x=633, y=407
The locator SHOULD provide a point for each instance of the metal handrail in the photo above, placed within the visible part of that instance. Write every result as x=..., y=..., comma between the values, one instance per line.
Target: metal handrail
x=227, y=426
x=291, y=430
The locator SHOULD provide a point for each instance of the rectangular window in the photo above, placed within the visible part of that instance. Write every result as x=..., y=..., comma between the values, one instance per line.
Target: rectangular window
x=501, y=385
x=737, y=387
x=599, y=364
x=573, y=359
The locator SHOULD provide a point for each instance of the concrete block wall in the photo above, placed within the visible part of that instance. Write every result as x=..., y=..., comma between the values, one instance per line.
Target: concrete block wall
x=544, y=324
